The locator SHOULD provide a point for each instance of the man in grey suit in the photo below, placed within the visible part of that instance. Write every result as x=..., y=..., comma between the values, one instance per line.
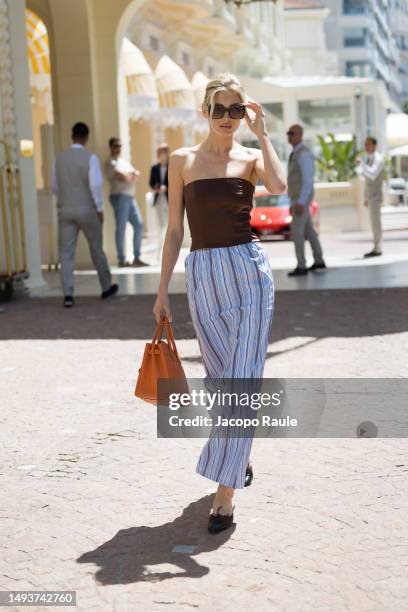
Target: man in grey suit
x=301, y=191
x=373, y=171
x=77, y=182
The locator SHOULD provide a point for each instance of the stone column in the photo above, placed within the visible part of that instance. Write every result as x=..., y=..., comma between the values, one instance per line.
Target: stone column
x=16, y=122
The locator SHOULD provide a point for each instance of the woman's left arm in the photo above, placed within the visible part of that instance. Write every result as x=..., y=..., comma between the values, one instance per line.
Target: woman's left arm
x=267, y=164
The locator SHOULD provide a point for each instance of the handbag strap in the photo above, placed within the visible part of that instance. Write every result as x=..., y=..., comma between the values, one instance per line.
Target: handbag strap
x=159, y=330
x=164, y=321
x=170, y=337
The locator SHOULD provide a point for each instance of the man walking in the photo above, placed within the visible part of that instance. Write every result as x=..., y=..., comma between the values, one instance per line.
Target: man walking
x=77, y=183
x=122, y=177
x=160, y=184
x=301, y=191
x=373, y=172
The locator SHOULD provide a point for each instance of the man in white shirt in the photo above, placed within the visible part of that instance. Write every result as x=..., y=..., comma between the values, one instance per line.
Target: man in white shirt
x=373, y=171
x=122, y=177
x=77, y=182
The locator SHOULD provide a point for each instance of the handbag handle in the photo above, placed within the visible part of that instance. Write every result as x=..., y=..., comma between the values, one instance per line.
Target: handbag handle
x=159, y=331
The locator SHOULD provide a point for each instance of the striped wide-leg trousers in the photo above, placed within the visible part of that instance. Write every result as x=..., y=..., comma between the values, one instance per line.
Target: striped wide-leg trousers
x=230, y=293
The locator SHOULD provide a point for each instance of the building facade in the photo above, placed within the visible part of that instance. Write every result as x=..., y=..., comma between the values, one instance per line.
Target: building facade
x=360, y=31
x=305, y=39
x=399, y=26
x=129, y=68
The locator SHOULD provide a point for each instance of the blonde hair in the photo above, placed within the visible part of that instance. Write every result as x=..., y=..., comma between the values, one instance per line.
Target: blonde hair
x=222, y=82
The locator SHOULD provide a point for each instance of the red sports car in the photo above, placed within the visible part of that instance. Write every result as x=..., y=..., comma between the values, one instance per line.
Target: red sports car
x=271, y=216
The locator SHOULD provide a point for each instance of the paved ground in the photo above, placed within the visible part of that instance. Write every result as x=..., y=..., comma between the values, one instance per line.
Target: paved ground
x=343, y=252
x=93, y=501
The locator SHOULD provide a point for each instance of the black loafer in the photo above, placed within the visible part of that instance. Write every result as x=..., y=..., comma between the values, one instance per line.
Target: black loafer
x=317, y=266
x=111, y=291
x=219, y=522
x=249, y=475
x=299, y=272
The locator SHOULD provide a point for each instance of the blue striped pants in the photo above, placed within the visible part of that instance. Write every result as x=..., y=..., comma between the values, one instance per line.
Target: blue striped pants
x=230, y=293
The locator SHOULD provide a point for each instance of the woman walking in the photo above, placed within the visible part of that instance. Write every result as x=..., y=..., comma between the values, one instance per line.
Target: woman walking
x=229, y=280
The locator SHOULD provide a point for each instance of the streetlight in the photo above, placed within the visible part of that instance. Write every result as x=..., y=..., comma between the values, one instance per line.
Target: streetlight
x=358, y=116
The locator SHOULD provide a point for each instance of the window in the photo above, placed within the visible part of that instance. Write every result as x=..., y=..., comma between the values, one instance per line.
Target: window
x=358, y=69
x=355, y=37
x=325, y=115
x=355, y=7
x=153, y=43
x=274, y=117
x=267, y=201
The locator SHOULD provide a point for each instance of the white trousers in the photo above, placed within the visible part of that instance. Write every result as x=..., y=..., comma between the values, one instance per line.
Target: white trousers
x=374, y=207
x=162, y=217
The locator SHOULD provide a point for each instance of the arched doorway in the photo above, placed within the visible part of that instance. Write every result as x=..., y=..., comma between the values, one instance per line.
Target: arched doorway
x=38, y=50
x=167, y=112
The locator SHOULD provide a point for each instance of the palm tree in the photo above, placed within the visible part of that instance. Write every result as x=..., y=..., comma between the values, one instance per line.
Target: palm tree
x=339, y=159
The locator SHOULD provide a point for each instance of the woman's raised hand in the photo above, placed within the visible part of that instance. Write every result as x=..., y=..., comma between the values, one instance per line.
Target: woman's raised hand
x=257, y=124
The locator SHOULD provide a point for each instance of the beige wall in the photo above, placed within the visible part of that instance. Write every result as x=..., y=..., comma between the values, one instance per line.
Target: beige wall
x=142, y=154
x=83, y=71
x=174, y=137
x=40, y=116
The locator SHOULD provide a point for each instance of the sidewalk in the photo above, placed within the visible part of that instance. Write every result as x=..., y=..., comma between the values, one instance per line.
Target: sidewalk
x=347, y=268
x=92, y=501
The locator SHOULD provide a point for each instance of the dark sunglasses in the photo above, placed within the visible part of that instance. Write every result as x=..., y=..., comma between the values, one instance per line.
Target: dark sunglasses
x=117, y=145
x=235, y=111
x=290, y=133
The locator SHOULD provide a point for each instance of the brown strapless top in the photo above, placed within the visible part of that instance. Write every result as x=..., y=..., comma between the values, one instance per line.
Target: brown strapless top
x=219, y=211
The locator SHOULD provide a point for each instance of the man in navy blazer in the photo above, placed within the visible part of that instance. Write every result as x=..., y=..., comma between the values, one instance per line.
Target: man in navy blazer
x=158, y=173
x=159, y=183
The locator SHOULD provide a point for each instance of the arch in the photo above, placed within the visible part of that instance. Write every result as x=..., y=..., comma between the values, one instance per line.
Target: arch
x=123, y=23
x=38, y=53
x=38, y=50
x=121, y=33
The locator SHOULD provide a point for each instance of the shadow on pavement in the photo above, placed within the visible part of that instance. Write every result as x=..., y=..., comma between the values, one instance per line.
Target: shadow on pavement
x=313, y=314
x=129, y=556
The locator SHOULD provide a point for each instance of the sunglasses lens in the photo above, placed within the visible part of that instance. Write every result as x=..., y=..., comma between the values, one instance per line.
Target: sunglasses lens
x=237, y=111
x=218, y=111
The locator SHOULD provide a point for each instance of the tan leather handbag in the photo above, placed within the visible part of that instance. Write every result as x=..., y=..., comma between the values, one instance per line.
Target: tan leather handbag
x=160, y=360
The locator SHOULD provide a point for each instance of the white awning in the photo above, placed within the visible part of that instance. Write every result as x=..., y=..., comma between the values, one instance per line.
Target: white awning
x=198, y=84
x=143, y=98
x=397, y=129
x=177, y=102
x=399, y=151
x=38, y=51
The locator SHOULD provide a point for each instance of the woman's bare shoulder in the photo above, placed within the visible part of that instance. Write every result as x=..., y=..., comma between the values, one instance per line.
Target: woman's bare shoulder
x=184, y=151
x=182, y=158
x=249, y=152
